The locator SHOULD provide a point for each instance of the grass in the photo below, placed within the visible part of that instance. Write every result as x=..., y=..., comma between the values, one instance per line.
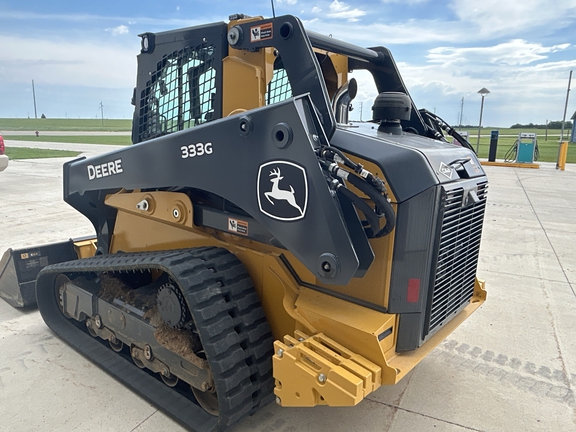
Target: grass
x=548, y=149
x=83, y=139
x=552, y=133
x=27, y=124
x=36, y=153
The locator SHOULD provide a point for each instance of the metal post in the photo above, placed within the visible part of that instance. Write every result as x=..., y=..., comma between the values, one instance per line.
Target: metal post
x=482, y=92
x=565, y=108
x=563, y=122
x=480, y=125
x=34, y=96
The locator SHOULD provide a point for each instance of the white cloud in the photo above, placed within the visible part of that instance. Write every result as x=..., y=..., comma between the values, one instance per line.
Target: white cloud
x=340, y=9
x=289, y=2
x=65, y=62
x=520, y=92
x=316, y=9
x=145, y=22
x=497, y=17
x=120, y=30
x=404, y=1
x=409, y=32
x=515, y=52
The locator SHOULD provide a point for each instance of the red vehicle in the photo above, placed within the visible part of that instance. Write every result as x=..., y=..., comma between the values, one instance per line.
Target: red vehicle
x=3, y=157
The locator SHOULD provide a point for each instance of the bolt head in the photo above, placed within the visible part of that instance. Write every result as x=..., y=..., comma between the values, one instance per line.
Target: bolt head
x=280, y=352
x=278, y=400
x=322, y=378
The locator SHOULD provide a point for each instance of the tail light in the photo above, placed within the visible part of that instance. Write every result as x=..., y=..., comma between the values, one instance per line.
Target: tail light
x=1, y=145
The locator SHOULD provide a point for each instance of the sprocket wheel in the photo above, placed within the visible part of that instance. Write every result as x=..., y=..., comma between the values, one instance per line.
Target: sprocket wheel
x=172, y=306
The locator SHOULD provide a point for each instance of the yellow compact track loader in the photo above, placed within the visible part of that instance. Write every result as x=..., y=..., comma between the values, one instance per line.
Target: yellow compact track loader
x=253, y=244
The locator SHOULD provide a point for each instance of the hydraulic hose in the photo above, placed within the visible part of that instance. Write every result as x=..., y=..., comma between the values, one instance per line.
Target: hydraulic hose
x=361, y=205
x=381, y=202
x=374, y=192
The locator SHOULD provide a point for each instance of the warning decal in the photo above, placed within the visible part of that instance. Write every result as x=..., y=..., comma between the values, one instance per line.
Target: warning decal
x=238, y=226
x=261, y=32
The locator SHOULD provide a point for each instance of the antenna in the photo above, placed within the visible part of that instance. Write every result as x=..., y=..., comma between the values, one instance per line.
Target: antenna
x=273, y=13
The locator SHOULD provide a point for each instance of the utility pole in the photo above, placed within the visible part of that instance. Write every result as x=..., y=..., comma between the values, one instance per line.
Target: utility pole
x=563, y=123
x=461, y=111
x=102, y=112
x=34, y=96
x=546, y=139
x=566, y=107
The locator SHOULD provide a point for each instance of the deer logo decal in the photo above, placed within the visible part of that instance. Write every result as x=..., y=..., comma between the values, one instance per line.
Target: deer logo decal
x=282, y=190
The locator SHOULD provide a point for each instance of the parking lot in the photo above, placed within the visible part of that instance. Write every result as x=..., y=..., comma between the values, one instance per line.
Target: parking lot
x=510, y=367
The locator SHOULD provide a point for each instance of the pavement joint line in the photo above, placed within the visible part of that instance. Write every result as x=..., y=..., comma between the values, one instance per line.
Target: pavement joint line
x=544, y=291
x=545, y=233
x=398, y=408
x=142, y=422
x=529, y=277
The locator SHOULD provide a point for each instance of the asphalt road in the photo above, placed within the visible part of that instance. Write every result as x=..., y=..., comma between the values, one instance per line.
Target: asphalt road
x=510, y=367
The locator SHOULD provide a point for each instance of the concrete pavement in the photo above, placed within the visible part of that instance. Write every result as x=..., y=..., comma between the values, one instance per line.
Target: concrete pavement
x=510, y=367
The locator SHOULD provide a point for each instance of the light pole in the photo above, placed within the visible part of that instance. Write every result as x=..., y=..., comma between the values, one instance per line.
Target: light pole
x=482, y=92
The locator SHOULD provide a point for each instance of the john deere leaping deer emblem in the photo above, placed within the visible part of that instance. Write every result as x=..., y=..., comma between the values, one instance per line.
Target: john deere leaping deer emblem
x=281, y=194
x=284, y=200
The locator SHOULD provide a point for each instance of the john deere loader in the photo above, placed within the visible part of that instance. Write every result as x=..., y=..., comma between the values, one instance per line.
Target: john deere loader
x=253, y=244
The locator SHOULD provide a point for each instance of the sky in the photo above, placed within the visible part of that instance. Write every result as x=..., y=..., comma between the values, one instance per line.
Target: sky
x=83, y=54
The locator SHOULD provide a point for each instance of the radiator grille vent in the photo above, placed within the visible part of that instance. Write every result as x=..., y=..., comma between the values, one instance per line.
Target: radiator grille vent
x=457, y=255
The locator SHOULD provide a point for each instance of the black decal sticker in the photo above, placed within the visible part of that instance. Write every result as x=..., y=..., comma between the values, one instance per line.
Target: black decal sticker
x=238, y=226
x=261, y=32
x=282, y=190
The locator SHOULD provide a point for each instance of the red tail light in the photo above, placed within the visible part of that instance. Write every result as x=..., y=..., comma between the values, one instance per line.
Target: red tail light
x=413, y=293
x=1, y=145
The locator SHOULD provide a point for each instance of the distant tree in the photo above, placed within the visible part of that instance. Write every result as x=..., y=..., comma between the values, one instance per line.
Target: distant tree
x=42, y=116
x=555, y=124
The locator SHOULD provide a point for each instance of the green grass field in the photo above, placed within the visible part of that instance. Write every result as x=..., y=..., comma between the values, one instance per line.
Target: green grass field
x=507, y=137
x=19, y=124
x=82, y=139
x=36, y=153
x=548, y=148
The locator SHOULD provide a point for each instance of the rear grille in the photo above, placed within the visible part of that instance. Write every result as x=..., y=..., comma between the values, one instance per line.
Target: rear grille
x=458, y=252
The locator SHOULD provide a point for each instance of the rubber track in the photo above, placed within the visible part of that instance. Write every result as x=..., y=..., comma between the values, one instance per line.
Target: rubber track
x=228, y=316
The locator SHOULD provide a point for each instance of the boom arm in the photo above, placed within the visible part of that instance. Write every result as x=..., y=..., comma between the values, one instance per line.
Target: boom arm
x=237, y=158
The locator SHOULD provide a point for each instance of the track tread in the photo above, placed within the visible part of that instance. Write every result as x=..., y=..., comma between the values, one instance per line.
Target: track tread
x=227, y=314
